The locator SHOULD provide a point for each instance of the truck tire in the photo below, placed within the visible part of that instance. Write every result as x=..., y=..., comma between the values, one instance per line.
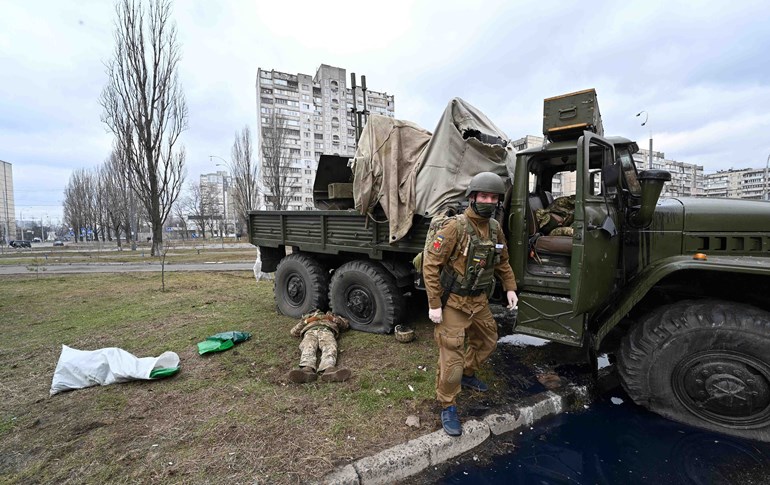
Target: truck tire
x=367, y=295
x=301, y=285
x=704, y=364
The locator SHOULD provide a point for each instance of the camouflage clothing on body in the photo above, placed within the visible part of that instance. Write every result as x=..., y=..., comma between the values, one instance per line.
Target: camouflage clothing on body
x=319, y=331
x=318, y=318
x=556, y=219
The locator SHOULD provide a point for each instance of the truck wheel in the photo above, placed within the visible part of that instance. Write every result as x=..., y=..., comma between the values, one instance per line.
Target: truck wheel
x=366, y=294
x=301, y=285
x=704, y=364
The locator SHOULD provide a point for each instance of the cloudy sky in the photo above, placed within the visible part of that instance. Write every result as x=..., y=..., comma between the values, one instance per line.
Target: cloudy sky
x=700, y=69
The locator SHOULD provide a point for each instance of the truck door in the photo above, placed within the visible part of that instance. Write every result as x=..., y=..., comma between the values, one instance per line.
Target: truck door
x=596, y=242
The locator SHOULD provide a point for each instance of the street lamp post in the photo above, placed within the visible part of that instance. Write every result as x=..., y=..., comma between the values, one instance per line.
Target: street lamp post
x=764, y=181
x=646, y=116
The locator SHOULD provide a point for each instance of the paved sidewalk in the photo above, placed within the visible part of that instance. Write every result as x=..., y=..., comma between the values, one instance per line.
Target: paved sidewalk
x=122, y=268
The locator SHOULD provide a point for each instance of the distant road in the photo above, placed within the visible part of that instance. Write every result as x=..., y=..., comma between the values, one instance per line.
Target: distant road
x=122, y=268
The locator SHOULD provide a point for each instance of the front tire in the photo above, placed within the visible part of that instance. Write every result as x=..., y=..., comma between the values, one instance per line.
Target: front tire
x=301, y=285
x=704, y=364
x=366, y=294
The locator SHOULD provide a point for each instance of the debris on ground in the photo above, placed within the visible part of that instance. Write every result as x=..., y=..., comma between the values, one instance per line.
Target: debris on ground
x=222, y=341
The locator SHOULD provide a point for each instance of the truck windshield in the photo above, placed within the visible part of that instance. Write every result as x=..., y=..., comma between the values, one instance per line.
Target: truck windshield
x=629, y=172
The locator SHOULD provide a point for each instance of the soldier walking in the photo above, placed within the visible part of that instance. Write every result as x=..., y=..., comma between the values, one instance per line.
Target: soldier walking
x=459, y=269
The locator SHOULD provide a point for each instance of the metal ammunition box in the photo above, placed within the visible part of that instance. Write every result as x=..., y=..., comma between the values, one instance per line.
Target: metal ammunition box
x=568, y=115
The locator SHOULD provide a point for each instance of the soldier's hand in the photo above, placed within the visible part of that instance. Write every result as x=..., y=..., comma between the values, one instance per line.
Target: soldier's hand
x=435, y=315
x=513, y=300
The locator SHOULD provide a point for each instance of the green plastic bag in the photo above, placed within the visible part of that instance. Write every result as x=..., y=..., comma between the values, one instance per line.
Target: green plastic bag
x=163, y=372
x=222, y=341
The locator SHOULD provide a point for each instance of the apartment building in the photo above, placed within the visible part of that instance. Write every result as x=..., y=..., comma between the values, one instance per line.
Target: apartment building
x=218, y=189
x=687, y=179
x=746, y=183
x=7, y=205
x=317, y=113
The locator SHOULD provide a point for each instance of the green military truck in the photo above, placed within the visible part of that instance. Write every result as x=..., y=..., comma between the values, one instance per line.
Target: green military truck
x=675, y=290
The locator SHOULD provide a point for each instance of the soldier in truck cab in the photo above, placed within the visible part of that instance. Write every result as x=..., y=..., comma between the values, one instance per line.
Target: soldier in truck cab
x=459, y=271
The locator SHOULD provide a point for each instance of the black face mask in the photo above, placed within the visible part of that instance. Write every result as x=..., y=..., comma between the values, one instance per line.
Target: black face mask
x=483, y=209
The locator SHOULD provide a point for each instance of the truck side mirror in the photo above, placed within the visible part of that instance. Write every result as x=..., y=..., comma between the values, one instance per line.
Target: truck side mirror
x=652, y=184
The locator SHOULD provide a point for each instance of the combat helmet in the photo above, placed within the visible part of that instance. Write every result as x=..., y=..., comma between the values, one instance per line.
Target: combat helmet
x=486, y=182
x=403, y=333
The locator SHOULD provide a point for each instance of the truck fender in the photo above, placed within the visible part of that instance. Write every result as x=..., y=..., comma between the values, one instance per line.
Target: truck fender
x=658, y=270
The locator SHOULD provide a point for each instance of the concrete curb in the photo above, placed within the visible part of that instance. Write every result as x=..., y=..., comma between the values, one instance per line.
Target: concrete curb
x=412, y=457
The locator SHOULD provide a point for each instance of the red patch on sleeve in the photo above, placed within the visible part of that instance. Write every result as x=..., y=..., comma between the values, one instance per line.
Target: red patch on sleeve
x=438, y=242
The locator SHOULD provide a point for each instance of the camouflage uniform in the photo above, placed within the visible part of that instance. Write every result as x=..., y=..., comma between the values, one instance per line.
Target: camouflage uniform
x=467, y=334
x=557, y=218
x=319, y=330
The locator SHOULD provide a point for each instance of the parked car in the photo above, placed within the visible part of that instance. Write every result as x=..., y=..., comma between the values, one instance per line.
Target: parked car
x=58, y=242
x=36, y=240
x=21, y=244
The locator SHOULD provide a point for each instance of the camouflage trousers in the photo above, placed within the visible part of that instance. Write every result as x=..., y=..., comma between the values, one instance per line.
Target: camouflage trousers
x=318, y=338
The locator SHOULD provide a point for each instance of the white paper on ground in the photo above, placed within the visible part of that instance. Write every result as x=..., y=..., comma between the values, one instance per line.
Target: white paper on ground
x=520, y=340
x=85, y=368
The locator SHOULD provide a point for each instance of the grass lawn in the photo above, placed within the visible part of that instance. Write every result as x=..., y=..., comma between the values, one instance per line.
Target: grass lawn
x=229, y=417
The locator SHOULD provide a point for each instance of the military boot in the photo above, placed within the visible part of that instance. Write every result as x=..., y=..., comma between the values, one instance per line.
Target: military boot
x=333, y=374
x=302, y=375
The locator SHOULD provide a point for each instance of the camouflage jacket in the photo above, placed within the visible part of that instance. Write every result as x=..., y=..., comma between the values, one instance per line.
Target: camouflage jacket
x=557, y=218
x=318, y=318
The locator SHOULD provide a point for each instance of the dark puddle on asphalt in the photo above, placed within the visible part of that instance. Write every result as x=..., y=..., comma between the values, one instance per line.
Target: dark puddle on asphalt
x=615, y=442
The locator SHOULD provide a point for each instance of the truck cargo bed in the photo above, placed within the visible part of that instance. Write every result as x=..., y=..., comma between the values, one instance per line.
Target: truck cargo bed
x=332, y=232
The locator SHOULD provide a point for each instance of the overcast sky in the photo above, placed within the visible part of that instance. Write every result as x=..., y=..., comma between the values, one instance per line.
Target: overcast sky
x=700, y=69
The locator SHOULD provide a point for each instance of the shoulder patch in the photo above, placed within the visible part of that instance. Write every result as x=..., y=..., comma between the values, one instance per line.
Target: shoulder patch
x=437, y=242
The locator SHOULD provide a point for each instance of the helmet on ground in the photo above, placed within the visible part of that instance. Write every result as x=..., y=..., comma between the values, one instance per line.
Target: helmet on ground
x=404, y=334
x=486, y=182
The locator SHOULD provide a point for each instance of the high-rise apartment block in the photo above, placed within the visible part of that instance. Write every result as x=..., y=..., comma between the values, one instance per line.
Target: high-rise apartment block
x=7, y=206
x=316, y=112
x=216, y=194
x=746, y=183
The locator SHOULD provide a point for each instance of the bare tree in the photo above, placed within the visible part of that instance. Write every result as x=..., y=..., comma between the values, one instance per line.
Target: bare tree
x=275, y=163
x=144, y=106
x=180, y=214
x=119, y=196
x=245, y=177
x=202, y=206
x=79, y=202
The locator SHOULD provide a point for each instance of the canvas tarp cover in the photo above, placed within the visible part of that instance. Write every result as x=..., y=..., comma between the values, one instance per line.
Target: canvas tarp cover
x=455, y=155
x=388, y=152
x=408, y=170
